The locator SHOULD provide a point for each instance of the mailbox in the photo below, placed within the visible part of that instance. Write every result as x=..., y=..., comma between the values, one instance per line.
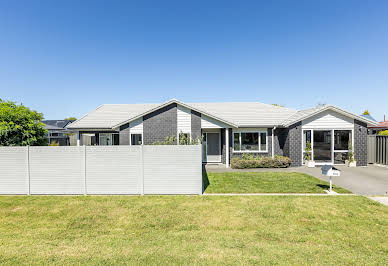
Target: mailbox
x=329, y=170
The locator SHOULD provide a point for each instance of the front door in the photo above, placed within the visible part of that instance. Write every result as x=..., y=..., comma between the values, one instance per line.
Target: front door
x=212, y=147
x=322, y=146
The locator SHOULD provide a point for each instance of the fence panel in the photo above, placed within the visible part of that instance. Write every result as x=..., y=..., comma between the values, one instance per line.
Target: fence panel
x=113, y=170
x=13, y=170
x=378, y=149
x=371, y=149
x=57, y=170
x=172, y=169
x=165, y=169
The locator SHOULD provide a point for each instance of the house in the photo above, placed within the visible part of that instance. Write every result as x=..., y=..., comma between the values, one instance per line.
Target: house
x=233, y=129
x=58, y=132
x=380, y=127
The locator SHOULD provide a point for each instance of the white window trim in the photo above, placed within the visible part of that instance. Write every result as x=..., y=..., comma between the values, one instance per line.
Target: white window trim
x=250, y=131
x=130, y=138
x=332, y=143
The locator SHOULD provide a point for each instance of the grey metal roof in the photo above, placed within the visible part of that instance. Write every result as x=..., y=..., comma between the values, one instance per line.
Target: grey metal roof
x=247, y=114
x=109, y=115
x=56, y=124
x=236, y=114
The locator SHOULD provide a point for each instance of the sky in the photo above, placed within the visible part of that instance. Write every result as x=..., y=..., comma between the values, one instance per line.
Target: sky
x=65, y=58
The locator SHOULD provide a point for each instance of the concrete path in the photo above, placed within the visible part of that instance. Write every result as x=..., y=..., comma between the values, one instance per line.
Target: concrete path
x=371, y=180
x=382, y=200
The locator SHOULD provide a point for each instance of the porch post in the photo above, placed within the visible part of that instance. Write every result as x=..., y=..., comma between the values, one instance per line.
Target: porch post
x=227, y=147
x=78, y=138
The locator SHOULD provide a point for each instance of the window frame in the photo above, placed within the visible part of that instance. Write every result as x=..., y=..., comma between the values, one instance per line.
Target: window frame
x=130, y=139
x=259, y=132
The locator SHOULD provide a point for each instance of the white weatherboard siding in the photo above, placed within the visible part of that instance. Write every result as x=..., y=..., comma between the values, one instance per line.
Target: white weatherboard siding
x=172, y=169
x=330, y=120
x=113, y=170
x=208, y=122
x=183, y=119
x=136, y=127
x=13, y=170
x=57, y=170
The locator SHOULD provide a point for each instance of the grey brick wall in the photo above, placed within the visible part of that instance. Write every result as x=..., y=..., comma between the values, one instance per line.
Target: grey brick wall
x=280, y=137
x=293, y=144
x=360, y=143
x=195, y=125
x=160, y=124
x=124, y=134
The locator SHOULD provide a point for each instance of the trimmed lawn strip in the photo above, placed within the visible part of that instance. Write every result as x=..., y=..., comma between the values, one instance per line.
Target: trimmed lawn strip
x=265, y=182
x=192, y=230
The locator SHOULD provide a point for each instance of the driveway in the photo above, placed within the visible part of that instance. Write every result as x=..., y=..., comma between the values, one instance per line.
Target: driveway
x=370, y=180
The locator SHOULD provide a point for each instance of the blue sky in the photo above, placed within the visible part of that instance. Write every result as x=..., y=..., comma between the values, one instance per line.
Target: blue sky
x=64, y=58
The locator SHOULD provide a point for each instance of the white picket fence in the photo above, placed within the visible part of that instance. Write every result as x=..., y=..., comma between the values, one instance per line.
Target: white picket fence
x=91, y=170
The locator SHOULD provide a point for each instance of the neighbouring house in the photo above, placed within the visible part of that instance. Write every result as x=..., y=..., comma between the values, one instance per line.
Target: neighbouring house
x=381, y=126
x=232, y=129
x=58, y=132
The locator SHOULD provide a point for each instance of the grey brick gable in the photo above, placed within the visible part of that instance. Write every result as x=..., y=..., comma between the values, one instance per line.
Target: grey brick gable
x=160, y=124
x=195, y=125
x=360, y=143
x=293, y=144
x=124, y=134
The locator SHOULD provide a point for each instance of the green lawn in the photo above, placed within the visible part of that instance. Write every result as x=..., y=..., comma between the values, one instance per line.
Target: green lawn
x=192, y=230
x=265, y=182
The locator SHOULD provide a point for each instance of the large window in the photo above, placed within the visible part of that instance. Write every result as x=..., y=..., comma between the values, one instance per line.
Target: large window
x=136, y=139
x=107, y=139
x=342, y=142
x=250, y=142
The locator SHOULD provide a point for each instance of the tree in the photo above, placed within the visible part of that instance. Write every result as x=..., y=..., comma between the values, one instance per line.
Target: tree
x=70, y=118
x=20, y=126
x=366, y=112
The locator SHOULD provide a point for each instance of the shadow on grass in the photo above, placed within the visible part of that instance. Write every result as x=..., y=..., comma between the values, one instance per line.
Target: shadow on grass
x=326, y=187
x=205, y=179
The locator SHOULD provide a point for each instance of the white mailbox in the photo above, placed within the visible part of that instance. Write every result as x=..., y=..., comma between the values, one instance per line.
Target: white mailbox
x=329, y=170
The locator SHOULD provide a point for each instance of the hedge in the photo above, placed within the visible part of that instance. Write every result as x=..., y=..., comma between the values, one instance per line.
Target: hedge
x=383, y=133
x=260, y=162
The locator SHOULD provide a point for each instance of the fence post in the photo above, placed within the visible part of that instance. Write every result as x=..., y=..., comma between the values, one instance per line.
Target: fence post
x=85, y=189
x=141, y=170
x=28, y=171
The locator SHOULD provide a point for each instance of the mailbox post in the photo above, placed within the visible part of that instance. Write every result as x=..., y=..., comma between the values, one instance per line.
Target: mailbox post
x=329, y=170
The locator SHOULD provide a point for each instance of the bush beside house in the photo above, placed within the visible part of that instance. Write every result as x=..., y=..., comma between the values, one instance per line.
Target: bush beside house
x=250, y=161
x=383, y=133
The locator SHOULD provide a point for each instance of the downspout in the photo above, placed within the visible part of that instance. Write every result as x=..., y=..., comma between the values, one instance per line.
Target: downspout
x=273, y=148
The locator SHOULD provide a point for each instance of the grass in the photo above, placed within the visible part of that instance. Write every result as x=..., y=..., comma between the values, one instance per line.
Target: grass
x=161, y=230
x=265, y=182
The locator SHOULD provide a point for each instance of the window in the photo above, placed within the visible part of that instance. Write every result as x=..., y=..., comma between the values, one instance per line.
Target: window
x=136, y=139
x=108, y=139
x=250, y=141
x=342, y=141
x=342, y=138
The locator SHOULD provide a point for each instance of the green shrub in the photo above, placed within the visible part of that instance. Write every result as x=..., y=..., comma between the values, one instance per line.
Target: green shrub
x=251, y=161
x=383, y=133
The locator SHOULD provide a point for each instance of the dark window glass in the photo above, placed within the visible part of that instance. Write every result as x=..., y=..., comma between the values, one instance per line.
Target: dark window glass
x=250, y=141
x=116, y=139
x=136, y=139
x=263, y=141
x=342, y=139
x=340, y=157
x=236, y=141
